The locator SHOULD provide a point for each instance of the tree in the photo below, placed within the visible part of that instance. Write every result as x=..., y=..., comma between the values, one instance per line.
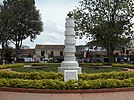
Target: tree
x=5, y=15
x=8, y=54
x=106, y=22
x=25, y=21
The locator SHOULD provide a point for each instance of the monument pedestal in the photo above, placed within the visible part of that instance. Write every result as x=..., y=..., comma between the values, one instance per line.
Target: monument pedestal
x=70, y=74
x=69, y=65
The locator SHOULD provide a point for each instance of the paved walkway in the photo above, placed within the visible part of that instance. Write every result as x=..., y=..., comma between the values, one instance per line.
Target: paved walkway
x=86, y=96
x=7, y=70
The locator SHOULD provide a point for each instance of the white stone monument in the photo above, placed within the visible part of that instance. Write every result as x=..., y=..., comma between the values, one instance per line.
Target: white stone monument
x=69, y=62
x=70, y=74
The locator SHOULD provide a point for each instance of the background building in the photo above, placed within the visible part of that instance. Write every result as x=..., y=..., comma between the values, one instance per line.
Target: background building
x=46, y=53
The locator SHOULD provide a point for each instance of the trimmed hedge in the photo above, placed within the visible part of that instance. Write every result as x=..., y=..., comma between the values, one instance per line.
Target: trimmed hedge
x=108, y=83
x=90, y=64
x=110, y=75
x=123, y=65
x=32, y=75
x=11, y=65
x=61, y=85
x=52, y=80
x=53, y=75
x=21, y=83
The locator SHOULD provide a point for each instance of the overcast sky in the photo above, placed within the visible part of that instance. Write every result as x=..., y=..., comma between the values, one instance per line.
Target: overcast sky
x=53, y=13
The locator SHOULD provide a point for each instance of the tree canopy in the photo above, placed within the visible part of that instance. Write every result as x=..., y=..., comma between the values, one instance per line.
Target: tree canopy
x=107, y=22
x=21, y=20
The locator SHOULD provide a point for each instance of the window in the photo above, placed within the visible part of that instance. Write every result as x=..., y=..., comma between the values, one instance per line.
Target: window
x=61, y=53
x=52, y=53
x=42, y=53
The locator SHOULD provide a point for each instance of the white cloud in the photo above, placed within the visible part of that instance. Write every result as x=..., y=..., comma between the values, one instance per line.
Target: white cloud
x=53, y=15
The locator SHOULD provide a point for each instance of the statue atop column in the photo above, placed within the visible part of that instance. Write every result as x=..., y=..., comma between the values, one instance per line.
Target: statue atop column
x=70, y=14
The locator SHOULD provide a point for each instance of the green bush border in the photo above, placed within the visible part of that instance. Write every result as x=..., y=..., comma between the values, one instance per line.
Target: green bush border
x=53, y=75
x=31, y=75
x=123, y=65
x=90, y=64
x=109, y=75
x=11, y=65
x=68, y=85
x=52, y=80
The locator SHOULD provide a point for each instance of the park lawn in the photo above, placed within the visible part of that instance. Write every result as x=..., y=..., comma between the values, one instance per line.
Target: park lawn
x=91, y=70
x=55, y=69
x=32, y=69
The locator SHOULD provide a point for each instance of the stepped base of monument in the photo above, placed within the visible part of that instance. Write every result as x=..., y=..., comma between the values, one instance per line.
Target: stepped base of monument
x=69, y=65
x=61, y=69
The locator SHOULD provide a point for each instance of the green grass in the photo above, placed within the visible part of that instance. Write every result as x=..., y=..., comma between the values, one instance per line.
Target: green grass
x=32, y=69
x=101, y=70
x=84, y=69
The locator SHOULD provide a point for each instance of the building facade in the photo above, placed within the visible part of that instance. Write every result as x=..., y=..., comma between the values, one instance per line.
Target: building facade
x=46, y=53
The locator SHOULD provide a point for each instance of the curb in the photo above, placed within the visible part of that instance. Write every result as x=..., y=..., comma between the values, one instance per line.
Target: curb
x=27, y=90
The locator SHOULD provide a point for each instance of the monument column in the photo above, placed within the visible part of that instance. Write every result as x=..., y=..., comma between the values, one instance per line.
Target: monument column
x=69, y=62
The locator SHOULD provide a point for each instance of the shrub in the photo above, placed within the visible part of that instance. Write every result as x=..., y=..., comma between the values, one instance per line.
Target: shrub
x=53, y=75
x=21, y=83
x=71, y=84
x=90, y=64
x=110, y=75
x=108, y=83
x=32, y=75
x=107, y=64
x=11, y=65
x=123, y=65
x=51, y=80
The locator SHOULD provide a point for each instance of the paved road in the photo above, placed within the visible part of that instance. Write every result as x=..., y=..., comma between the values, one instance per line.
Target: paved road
x=86, y=96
